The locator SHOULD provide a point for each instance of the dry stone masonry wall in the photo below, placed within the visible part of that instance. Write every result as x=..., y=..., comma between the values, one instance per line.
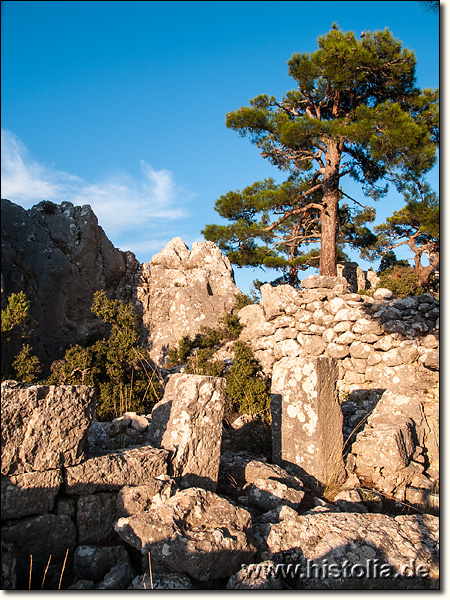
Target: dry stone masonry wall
x=380, y=343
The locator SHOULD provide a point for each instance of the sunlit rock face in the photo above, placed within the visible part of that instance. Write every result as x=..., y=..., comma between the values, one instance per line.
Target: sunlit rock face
x=182, y=291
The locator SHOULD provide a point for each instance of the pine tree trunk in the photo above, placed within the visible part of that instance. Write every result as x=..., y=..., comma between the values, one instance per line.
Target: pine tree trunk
x=329, y=218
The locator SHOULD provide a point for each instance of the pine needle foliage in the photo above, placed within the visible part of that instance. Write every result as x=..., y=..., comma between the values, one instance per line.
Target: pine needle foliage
x=355, y=111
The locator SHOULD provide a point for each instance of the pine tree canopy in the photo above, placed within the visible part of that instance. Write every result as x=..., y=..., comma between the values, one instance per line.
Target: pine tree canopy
x=356, y=111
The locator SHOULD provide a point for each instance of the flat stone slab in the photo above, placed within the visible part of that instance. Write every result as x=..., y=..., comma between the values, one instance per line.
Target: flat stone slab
x=307, y=419
x=116, y=470
x=188, y=422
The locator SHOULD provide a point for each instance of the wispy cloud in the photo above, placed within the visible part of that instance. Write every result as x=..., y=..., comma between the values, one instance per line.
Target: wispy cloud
x=122, y=203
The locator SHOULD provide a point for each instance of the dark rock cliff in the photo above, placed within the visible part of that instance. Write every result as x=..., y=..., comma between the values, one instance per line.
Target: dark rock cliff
x=59, y=256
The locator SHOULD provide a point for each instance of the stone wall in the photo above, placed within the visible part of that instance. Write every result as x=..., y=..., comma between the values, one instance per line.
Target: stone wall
x=381, y=343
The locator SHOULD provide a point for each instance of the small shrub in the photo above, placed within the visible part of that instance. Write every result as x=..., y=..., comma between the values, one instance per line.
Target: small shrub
x=26, y=365
x=117, y=366
x=201, y=362
x=248, y=389
x=15, y=317
x=401, y=280
x=15, y=327
x=240, y=301
x=232, y=326
x=178, y=354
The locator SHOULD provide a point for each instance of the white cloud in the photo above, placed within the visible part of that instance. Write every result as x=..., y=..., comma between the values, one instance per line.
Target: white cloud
x=121, y=203
x=24, y=180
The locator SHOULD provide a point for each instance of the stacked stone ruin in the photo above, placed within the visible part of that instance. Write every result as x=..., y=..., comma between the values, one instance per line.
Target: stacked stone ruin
x=152, y=501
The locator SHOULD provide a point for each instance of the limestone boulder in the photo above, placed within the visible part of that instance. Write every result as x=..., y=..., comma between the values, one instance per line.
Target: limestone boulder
x=276, y=299
x=110, y=472
x=118, y=578
x=269, y=494
x=96, y=515
x=135, y=499
x=8, y=566
x=387, y=448
x=196, y=531
x=188, y=423
x=44, y=427
x=94, y=562
x=161, y=581
x=325, y=538
x=320, y=281
x=255, y=577
x=40, y=537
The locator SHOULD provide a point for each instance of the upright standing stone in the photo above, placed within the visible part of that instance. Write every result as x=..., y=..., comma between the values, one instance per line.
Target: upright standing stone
x=188, y=422
x=307, y=418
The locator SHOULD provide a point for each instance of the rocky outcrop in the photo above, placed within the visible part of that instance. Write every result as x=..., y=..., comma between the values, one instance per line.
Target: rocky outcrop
x=59, y=256
x=44, y=427
x=182, y=291
x=195, y=530
x=390, y=453
x=188, y=423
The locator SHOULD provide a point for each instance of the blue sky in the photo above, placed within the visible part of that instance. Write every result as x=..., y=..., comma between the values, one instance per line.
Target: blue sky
x=121, y=105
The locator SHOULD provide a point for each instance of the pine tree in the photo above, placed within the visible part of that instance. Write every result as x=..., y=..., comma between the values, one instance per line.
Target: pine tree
x=417, y=226
x=356, y=112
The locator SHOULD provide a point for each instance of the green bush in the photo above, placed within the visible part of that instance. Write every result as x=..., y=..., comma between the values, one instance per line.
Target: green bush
x=116, y=366
x=401, y=280
x=26, y=365
x=232, y=327
x=240, y=301
x=15, y=317
x=248, y=389
x=201, y=362
x=15, y=327
x=208, y=338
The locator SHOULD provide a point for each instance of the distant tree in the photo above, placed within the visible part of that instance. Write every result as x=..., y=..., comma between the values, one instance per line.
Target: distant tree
x=389, y=260
x=357, y=112
x=416, y=225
